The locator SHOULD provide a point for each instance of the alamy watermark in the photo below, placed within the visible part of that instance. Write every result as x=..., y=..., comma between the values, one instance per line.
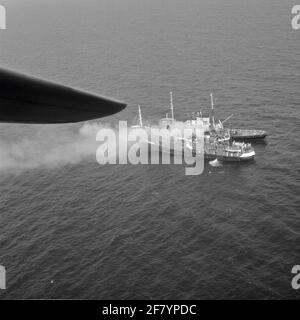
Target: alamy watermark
x=296, y=279
x=296, y=17
x=2, y=278
x=295, y=20
x=2, y=17
x=128, y=145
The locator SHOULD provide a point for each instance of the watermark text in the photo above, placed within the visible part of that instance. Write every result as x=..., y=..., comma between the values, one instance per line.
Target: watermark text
x=296, y=279
x=2, y=278
x=296, y=17
x=152, y=146
x=2, y=18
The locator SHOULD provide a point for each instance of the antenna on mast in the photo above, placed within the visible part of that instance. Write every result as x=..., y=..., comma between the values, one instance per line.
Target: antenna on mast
x=212, y=109
x=140, y=117
x=171, y=104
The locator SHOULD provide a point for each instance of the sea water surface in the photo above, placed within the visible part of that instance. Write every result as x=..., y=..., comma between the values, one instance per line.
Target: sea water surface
x=70, y=228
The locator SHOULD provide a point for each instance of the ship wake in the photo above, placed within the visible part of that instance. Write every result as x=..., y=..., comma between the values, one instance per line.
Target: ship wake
x=215, y=163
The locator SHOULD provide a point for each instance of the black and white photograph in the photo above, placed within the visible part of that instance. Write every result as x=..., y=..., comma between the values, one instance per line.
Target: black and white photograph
x=149, y=150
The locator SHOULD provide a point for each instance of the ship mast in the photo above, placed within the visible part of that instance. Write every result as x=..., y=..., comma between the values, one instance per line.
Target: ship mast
x=212, y=109
x=171, y=104
x=140, y=117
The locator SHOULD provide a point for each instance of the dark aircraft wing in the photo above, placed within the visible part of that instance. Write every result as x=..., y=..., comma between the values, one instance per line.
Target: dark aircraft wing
x=25, y=99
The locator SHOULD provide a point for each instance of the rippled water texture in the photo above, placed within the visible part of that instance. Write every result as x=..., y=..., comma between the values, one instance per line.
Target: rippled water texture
x=70, y=228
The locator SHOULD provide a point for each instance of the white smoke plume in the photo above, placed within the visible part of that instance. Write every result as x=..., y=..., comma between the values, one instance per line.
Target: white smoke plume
x=25, y=147
x=29, y=147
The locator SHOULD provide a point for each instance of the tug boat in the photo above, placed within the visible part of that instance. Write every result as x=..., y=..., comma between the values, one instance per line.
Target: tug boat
x=225, y=151
x=231, y=151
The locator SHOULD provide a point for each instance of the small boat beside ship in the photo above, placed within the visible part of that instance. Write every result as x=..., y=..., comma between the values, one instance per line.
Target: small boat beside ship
x=246, y=134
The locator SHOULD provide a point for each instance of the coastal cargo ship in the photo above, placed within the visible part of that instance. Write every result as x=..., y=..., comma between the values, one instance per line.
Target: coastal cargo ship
x=216, y=144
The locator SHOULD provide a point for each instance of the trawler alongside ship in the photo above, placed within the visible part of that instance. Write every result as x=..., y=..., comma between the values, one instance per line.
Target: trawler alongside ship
x=230, y=151
x=219, y=143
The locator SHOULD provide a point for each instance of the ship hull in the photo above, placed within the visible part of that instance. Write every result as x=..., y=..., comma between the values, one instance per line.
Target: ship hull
x=241, y=134
x=228, y=158
x=235, y=159
x=209, y=157
x=241, y=137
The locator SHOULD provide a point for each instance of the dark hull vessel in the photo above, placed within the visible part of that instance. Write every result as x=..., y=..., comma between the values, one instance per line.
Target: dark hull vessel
x=244, y=134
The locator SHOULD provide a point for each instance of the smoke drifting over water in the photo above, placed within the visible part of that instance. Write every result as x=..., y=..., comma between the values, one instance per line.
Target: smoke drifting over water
x=25, y=147
x=30, y=147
